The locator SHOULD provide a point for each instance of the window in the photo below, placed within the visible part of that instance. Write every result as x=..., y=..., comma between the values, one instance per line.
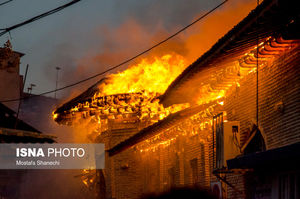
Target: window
x=171, y=172
x=194, y=166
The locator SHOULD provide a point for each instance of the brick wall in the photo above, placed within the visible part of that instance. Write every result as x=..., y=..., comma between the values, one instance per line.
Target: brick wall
x=278, y=84
x=279, y=107
x=171, y=165
x=132, y=172
x=123, y=172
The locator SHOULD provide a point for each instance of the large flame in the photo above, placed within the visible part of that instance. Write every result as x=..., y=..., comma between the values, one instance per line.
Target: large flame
x=134, y=91
x=147, y=76
x=145, y=81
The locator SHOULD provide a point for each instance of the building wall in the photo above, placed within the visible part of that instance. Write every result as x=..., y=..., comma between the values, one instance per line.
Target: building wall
x=187, y=159
x=182, y=162
x=9, y=76
x=123, y=172
x=279, y=108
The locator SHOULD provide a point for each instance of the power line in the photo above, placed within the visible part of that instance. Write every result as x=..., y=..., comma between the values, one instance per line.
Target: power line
x=257, y=67
x=7, y=30
x=126, y=61
x=1, y=4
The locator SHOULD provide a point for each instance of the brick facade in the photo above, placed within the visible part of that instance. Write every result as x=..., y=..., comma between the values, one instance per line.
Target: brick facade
x=187, y=159
x=278, y=86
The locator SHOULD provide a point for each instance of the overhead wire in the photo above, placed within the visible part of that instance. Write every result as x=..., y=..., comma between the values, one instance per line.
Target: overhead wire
x=127, y=60
x=3, y=3
x=9, y=29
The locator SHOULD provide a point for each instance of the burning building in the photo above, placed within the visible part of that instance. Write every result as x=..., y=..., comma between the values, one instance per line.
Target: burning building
x=229, y=121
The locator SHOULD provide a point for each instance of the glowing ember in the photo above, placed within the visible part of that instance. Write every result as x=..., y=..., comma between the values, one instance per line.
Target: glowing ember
x=55, y=115
x=88, y=177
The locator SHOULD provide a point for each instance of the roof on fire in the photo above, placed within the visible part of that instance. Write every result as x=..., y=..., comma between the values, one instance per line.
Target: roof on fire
x=83, y=97
x=274, y=16
x=271, y=17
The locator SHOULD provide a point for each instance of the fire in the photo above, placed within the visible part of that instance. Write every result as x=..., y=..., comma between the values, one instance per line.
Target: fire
x=142, y=83
x=146, y=76
x=88, y=177
x=134, y=91
x=208, y=95
x=221, y=103
x=151, y=78
x=54, y=115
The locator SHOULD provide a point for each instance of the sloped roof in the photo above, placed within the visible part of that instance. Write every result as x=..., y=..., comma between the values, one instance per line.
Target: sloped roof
x=271, y=17
x=19, y=131
x=83, y=97
x=8, y=120
x=158, y=127
x=286, y=157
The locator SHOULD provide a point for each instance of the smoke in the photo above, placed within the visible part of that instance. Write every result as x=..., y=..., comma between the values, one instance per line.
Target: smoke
x=131, y=26
x=118, y=44
x=50, y=184
x=144, y=24
x=170, y=13
x=205, y=34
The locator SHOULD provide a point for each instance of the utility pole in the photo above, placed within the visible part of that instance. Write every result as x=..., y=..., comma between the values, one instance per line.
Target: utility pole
x=21, y=96
x=57, y=70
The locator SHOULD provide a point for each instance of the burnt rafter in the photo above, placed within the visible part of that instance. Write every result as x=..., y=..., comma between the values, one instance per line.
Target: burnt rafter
x=139, y=105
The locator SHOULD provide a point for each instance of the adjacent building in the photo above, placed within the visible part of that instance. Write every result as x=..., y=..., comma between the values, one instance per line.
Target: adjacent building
x=11, y=80
x=12, y=129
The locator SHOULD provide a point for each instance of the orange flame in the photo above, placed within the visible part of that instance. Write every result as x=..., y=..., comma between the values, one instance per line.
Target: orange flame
x=146, y=76
x=134, y=91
